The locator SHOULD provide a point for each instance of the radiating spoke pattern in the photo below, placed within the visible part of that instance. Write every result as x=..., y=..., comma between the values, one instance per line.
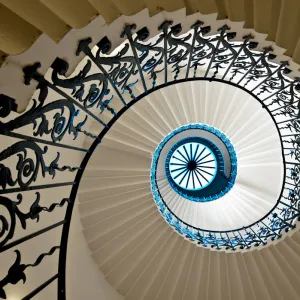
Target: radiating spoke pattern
x=193, y=166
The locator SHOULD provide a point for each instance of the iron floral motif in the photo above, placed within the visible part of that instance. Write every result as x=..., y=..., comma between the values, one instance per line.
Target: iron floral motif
x=80, y=82
x=120, y=67
x=17, y=271
x=151, y=55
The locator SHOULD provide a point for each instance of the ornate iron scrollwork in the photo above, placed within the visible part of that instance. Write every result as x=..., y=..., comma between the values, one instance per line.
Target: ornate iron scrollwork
x=8, y=226
x=105, y=79
x=62, y=124
x=28, y=168
x=17, y=271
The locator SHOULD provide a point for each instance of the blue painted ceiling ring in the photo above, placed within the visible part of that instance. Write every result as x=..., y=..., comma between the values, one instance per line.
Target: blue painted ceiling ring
x=192, y=163
x=195, y=166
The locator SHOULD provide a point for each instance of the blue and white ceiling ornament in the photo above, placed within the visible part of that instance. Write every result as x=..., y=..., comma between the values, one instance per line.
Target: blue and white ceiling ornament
x=191, y=164
x=200, y=167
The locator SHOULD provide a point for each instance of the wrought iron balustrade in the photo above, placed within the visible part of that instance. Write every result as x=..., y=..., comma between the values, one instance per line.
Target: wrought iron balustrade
x=39, y=142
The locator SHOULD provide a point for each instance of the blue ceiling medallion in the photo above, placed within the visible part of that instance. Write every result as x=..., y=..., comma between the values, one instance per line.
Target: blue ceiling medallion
x=195, y=167
x=191, y=164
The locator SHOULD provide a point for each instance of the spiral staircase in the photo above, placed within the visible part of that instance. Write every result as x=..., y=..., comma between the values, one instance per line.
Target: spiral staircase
x=91, y=205
x=142, y=257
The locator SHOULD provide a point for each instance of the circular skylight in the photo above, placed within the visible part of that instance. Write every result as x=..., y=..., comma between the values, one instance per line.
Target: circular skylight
x=192, y=165
x=198, y=162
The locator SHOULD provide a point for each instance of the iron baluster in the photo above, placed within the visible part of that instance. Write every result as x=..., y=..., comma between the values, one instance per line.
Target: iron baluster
x=264, y=243
x=204, y=239
x=245, y=243
x=283, y=64
x=217, y=241
x=278, y=235
x=30, y=73
x=195, y=27
x=266, y=50
x=128, y=32
x=164, y=28
x=243, y=46
x=229, y=239
x=129, y=89
x=223, y=30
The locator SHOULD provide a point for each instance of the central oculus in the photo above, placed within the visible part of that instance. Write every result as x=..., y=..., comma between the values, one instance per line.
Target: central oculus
x=191, y=164
x=197, y=161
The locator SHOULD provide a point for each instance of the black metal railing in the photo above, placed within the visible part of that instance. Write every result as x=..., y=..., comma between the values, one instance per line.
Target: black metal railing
x=38, y=145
